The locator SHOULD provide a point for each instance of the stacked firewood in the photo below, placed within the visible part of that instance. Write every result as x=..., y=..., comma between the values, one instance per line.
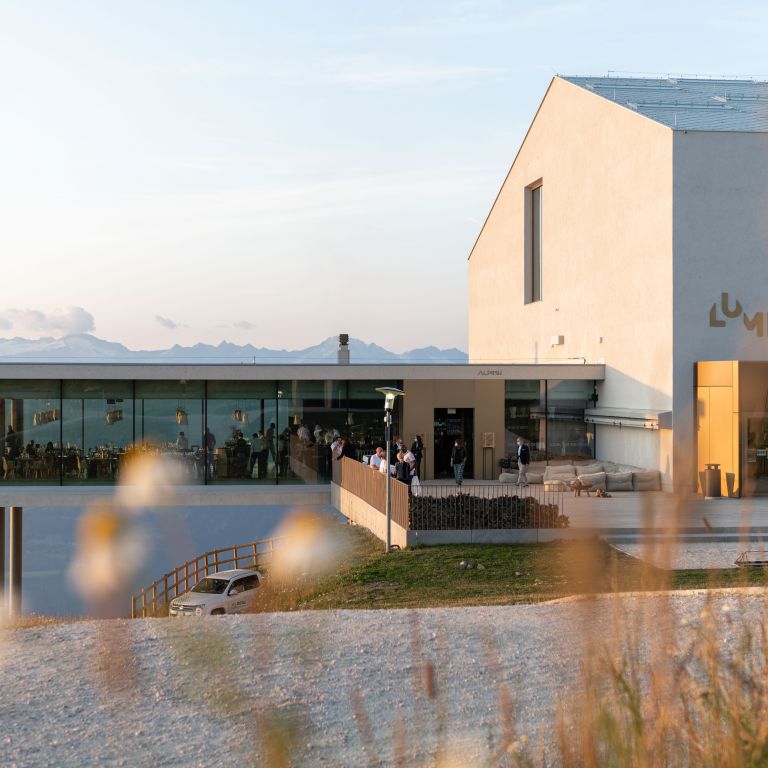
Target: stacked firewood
x=465, y=511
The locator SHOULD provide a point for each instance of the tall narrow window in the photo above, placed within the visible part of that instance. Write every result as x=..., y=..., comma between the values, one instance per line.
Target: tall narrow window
x=534, y=254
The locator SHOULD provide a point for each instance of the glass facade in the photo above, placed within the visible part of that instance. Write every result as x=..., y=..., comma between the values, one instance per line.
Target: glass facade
x=79, y=432
x=549, y=415
x=97, y=429
x=568, y=437
x=30, y=418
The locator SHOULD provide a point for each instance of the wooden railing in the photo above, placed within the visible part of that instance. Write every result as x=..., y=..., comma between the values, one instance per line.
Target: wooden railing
x=370, y=486
x=154, y=599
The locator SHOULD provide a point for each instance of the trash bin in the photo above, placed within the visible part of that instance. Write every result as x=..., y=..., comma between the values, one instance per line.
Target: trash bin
x=712, y=480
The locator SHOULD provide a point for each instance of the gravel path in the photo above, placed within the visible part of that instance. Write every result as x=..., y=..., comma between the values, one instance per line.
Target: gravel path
x=685, y=556
x=196, y=692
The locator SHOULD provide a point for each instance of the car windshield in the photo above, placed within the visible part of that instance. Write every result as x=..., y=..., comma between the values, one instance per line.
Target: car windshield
x=211, y=586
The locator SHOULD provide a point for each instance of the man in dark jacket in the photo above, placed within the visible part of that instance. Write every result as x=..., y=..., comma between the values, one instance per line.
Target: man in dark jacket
x=417, y=449
x=523, y=460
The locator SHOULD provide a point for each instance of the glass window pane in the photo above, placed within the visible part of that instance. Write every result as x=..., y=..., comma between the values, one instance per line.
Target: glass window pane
x=525, y=416
x=365, y=421
x=169, y=420
x=536, y=210
x=30, y=422
x=97, y=429
x=311, y=415
x=568, y=436
x=241, y=439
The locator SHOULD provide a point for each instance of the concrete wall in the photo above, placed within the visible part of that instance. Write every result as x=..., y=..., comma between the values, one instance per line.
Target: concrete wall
x=638, y=447
x=487, y=399
x=720, y=246
x=498, y=536
x=362, y=513
x=607, y=249
x=606, y=256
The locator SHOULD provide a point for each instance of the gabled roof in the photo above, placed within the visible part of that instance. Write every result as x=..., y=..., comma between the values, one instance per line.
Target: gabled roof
x=687, y=104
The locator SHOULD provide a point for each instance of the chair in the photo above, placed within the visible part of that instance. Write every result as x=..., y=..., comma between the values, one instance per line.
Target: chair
x=9, y=469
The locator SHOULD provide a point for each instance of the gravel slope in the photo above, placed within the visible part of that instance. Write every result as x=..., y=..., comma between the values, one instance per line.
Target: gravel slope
x=196, y=692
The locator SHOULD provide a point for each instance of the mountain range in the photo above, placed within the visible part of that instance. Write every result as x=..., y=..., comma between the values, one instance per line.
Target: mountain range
x=85, y=348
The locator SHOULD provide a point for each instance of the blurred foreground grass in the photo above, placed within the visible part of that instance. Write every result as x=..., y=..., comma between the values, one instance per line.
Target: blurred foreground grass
x=365, y=577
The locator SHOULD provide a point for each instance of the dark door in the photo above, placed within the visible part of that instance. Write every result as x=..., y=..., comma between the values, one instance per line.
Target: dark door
x=451, y=423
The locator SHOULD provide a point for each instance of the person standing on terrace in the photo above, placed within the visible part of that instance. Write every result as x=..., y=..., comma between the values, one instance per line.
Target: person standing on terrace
x=458, y=459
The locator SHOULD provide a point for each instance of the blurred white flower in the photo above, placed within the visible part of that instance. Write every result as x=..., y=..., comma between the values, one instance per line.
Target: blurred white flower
x=109, y=553
x=147, y=480
x=312, y=547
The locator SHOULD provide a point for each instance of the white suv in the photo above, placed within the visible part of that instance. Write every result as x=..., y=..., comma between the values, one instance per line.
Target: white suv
x=223, y=592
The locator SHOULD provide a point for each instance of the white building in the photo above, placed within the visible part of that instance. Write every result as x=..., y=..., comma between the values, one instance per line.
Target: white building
x=632, y=231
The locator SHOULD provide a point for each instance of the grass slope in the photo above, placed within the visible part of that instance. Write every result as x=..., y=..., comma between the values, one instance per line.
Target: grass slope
x=521, y=573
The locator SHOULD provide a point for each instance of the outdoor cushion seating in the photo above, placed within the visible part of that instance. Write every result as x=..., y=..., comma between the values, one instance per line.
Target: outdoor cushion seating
x=648, y=480
x=563, y=476
x=564, y=470
x=618, y=481
x=595, y=480
x=589, y=469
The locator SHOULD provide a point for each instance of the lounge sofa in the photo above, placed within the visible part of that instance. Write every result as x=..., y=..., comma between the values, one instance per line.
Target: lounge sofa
x=606, y=475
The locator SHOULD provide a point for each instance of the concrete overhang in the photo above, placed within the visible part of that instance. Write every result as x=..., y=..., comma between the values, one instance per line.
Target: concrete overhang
x=185, y=495
x=165, y=372
x=628, y=417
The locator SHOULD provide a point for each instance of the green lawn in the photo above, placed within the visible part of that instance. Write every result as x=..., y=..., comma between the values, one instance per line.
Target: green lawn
x=522, y=573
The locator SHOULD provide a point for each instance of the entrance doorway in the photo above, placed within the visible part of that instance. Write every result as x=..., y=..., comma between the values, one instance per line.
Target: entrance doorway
x=451, y=423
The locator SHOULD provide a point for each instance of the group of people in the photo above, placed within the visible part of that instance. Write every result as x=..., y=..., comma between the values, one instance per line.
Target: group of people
x=404, y=463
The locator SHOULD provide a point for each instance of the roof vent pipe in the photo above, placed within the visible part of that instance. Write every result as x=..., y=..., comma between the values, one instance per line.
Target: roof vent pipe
x=342, y=356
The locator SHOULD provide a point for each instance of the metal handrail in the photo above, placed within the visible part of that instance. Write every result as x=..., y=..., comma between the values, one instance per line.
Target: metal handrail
x=154, y=599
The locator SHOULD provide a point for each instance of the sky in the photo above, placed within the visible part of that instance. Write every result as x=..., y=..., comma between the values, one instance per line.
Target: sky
x=182, y=171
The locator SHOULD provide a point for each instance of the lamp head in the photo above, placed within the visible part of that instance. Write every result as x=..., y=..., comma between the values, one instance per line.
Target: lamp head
x=390, y=393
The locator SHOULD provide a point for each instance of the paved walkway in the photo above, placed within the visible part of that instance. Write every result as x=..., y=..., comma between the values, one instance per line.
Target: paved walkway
x=649, y=511
x=664, y=529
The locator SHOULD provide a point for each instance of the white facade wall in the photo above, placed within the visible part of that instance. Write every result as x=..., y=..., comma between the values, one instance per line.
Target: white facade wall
x=630, y=445
x=607, y=259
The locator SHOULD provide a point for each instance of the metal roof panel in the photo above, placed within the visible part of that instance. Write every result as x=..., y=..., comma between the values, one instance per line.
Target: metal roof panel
x=687, y=104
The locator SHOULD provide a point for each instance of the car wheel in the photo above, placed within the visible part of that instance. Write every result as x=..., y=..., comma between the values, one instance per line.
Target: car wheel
x=218, y=612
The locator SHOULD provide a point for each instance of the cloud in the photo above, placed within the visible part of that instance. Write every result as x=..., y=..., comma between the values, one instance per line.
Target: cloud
x=169, y=324
x=245, y=325
x=57, y=321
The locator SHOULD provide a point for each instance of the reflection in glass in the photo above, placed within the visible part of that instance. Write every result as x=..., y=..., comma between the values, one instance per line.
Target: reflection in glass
x=311, y=415
x=97, y=429
x=169, y=420
x=30, y=420
x=524, y=416
x=568, y=436
x=241, y=428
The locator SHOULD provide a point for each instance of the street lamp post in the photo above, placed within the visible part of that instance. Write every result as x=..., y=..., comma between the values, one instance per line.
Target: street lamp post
x=390, y=393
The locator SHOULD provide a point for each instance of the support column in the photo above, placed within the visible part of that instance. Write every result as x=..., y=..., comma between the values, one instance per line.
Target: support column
x=15, y=562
